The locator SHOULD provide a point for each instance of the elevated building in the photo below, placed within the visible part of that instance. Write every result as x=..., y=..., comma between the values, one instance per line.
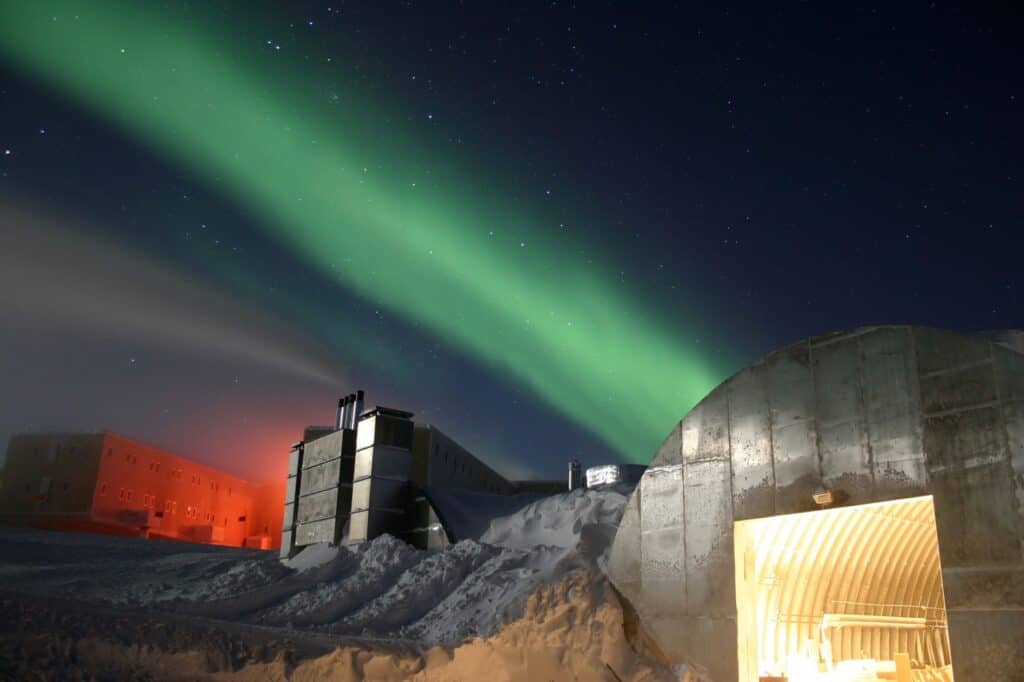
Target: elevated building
x=108, y=483
x=373, y=472
x=848, y=507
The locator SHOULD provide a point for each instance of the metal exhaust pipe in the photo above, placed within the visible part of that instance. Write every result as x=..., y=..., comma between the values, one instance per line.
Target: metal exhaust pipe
x=357, y=409
x=350, y=400
x=339, y=420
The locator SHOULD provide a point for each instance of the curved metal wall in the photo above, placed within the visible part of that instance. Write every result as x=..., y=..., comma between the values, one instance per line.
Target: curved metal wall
x=877, y=413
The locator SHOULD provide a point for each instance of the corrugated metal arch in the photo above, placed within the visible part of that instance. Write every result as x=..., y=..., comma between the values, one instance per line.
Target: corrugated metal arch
x=877, y=559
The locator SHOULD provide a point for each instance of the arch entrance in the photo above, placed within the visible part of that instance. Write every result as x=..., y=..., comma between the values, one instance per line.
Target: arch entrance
x=841, y=595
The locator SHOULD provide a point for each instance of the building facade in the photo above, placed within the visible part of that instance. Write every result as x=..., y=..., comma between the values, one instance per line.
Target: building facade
x=372, y=473
x=850, y=500
x=105, y=482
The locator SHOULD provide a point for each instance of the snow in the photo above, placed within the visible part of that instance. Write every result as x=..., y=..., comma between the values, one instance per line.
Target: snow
x=312, y=557
x=383, y=588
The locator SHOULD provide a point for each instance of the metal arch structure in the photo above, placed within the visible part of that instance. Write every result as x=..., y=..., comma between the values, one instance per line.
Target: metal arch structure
x=873, y=414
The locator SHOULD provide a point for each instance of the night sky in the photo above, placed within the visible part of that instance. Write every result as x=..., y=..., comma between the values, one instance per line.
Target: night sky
x=549, y=229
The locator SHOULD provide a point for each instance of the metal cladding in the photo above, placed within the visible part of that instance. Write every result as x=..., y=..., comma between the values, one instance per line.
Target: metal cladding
x=291, y=496
x=873, y=414
x=324, y=488
x=1011, y=338
x=383, y=470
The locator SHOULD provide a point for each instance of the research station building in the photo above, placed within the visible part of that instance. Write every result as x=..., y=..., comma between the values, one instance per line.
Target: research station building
x=377, y=471
x=108, y=483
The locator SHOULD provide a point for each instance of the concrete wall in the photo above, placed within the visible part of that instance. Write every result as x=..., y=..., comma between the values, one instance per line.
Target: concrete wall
x=877, y=413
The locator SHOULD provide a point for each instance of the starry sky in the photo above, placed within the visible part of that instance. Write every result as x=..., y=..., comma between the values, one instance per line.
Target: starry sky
x=547, y=228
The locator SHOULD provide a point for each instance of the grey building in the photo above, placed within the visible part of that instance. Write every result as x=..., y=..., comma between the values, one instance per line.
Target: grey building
x=854, y=499
x=374, y=472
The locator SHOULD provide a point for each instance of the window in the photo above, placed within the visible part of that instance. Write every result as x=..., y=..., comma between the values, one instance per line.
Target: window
x=128, y=496
x=120, y=495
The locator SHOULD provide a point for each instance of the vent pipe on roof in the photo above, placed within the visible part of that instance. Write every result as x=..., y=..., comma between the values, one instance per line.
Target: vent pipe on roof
x=350, y=408
x=339, y=421
x=357, y=409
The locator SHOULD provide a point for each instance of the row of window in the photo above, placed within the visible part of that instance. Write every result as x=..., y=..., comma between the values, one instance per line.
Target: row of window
x=170, y=506
x=460, y=467
x=154, y=466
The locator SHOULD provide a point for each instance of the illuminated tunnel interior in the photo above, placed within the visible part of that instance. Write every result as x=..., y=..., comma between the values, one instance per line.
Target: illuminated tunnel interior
x=842, y=594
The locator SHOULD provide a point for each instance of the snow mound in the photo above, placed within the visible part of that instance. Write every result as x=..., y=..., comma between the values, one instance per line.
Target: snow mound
x=312, y=557
x=383, y=588
x=368, y=571
x=557, y=521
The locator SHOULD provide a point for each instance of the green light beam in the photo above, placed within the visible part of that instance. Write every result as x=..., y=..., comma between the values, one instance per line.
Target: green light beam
x=387, y=230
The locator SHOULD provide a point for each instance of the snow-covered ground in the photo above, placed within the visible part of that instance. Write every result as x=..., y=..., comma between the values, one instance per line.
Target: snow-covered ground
x=381, y=589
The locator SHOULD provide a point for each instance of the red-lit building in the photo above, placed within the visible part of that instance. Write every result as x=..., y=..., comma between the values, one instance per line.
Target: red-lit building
x=107, y=483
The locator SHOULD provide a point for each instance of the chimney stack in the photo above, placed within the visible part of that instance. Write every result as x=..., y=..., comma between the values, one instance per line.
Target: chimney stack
x=350, y=409
x=339, y=421
x=575, y=475
x=357, y=409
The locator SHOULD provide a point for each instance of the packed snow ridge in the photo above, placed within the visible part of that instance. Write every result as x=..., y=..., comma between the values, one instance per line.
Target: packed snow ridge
x=380, y=589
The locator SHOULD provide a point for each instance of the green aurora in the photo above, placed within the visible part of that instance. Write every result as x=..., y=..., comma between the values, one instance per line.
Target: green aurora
x=351, y=197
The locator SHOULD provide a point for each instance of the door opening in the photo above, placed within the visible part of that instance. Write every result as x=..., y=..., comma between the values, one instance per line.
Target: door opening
x=852, y=594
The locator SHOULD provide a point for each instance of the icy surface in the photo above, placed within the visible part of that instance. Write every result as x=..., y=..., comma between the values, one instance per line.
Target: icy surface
x=312, y=557
x=383, y=588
